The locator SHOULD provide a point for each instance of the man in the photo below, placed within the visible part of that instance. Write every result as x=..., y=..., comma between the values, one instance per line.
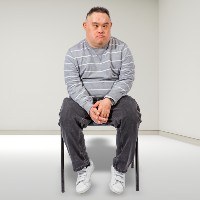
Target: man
x=99, y=72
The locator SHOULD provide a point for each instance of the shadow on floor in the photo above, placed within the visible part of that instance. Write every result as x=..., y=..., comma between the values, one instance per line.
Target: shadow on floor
x=102, y=154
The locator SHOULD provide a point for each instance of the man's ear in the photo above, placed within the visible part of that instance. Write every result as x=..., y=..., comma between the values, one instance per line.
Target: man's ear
x=110, y=24
x=84, y=25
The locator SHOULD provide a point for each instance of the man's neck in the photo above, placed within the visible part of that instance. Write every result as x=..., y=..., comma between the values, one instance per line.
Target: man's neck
x=97, y=46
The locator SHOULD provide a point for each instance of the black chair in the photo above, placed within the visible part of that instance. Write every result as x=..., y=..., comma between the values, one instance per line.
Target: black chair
x=132, y=164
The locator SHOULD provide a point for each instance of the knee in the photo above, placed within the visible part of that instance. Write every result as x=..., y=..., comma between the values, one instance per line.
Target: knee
x=66, y=111
x=131, y=112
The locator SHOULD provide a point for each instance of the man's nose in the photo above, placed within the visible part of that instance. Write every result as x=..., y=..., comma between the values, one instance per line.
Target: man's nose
x=100, y=29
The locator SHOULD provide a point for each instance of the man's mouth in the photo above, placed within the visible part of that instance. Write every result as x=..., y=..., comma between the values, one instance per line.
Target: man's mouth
x=100, y=36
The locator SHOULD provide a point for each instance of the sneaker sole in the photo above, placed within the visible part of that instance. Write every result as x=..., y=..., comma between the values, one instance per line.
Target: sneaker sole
x=111, y=188
x=81, y=192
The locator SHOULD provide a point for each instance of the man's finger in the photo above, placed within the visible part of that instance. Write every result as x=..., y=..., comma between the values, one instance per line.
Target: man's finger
x=96, y=104
x=103, y=119
x=105, y=113
x=96, y=112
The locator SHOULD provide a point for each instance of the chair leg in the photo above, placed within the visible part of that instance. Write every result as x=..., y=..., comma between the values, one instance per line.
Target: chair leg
x=132, y=164
x=62, y=166
x=137, y=166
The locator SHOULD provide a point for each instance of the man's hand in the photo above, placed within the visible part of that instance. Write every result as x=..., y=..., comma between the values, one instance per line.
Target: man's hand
x=100, y=111
x=104, y=107
x=95, y=116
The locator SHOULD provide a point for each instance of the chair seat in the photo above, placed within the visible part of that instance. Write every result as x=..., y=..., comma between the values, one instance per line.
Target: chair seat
x=95, y=124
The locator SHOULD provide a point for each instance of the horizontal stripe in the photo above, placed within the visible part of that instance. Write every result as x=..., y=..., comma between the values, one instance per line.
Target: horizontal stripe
x=74, y=85
x=94, y=63
x=127, y=63
x=80, y=94
x=122, y=89
x=126, y=84
x=116, y=45
x=86, y=56
x=101, y=62
x=99, y=89
x=70, y=56
x=70, y=76
x=97, y=81
x=89, y=55
x=66, y=70
x=69, y=63
x=101, y=70
x=78, y=49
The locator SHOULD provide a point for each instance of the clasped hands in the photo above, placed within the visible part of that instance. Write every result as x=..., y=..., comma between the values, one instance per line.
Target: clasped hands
x=100, y=111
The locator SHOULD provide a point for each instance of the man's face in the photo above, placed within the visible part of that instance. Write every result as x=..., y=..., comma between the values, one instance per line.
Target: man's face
x=97, y=27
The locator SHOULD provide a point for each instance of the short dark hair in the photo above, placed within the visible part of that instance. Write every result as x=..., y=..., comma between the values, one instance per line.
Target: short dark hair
x=98, y=9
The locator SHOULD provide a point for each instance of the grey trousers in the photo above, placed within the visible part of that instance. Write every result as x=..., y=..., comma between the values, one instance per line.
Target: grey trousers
x=125, y=116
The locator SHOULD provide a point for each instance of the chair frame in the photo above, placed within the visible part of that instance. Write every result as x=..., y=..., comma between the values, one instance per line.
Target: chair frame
x=132, y=165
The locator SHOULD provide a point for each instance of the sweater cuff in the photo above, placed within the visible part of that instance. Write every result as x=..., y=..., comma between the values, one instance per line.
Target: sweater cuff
x=113, y=101
x=87, y=107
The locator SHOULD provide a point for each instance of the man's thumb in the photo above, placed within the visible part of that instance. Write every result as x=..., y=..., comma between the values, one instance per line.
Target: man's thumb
x=96, y=104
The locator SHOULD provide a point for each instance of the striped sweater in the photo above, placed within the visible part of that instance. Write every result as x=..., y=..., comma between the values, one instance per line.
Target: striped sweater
x=89, y=75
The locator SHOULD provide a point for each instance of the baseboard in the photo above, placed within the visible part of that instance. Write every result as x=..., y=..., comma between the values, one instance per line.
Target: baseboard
x=87, y=131
x=113, y=132
x=180, y=137
x=103, y=131
x=29, y=132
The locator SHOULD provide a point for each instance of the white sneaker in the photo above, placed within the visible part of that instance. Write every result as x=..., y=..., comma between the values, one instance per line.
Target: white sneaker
x=117, y=183
x=83, y=182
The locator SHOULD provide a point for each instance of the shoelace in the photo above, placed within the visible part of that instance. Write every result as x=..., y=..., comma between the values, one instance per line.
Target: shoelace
x=120, y=177
x=81, y=175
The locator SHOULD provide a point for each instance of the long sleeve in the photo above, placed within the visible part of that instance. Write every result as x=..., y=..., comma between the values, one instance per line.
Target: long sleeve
x=126, y=77
x=75, y=87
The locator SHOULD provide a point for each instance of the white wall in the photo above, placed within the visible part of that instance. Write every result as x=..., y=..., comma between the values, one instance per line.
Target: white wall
x=34, y=38
x=179, y=67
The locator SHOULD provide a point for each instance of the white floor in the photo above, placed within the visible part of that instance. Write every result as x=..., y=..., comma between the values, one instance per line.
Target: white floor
x=30, y=169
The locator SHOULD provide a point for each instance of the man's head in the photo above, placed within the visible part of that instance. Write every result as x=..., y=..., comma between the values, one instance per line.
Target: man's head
x=98, y=27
